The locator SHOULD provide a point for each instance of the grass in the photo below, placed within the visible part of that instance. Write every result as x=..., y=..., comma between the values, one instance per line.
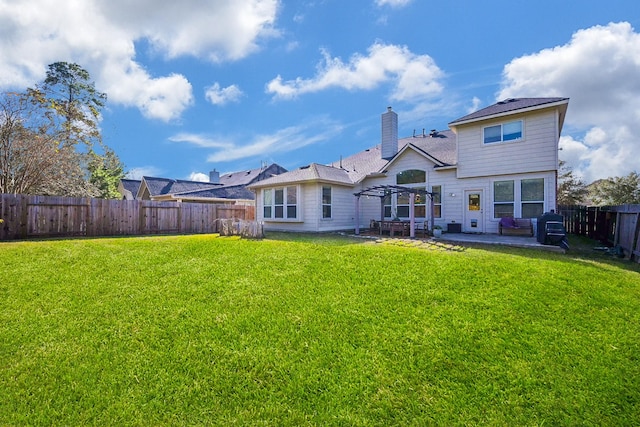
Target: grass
x=314, y=330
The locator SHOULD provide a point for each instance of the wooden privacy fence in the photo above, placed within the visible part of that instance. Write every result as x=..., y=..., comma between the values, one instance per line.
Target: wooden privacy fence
x=612, y=225
x=26, y=217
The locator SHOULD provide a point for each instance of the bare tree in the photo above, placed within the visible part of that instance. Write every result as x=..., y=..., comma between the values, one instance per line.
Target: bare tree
x=571, y=190
x=49, y=136
x=28, y=145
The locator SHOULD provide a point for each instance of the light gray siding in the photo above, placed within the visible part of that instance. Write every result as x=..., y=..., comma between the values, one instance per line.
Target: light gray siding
x=537, y=151
x=310, y=210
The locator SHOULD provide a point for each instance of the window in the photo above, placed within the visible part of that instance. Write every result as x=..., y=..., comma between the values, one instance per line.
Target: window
x=419, y=204
x=267, y=202
x=326, y=202
x=292, y=202
x=386, y=203
x=532, y=196
x=518, y=198
x=411, y=176
x=503, y=132
x=437, y=201
x=503, y=199
x=280, y=203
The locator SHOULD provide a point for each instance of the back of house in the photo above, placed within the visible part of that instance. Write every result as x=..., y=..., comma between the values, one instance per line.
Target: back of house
x=499, y=161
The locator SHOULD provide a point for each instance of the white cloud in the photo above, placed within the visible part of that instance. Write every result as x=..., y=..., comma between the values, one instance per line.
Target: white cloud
x=100, y=35
x=198, y=176
x=282, y=141
x=139, y=172
x=393, y=3
x=221, y=96
x=598, y=69
x=201, y=141
x=413, y=76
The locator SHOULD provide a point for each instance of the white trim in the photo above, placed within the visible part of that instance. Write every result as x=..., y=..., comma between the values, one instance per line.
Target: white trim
x=502, y=140
x=511, y=112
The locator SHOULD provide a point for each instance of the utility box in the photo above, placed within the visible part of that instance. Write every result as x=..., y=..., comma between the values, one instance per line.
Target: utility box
x=453, y=227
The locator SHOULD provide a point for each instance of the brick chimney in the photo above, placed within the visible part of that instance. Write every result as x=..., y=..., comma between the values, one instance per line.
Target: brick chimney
x=214, y=177
x=389, y=144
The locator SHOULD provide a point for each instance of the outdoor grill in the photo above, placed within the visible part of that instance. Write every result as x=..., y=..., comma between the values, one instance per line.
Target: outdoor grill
x=551, y=230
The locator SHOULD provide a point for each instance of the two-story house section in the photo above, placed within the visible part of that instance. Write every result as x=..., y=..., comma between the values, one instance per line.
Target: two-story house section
x=499, y=161
x=507, y=160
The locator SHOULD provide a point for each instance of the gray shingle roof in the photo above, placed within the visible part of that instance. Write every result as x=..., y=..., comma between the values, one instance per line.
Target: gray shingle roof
x=228, y=192
x=252, y=175
x=162, y=186
x=312, y=172
x=350, y=170
x=131, y=185
x=442, y=146
x=508, y=105
x=230, y=186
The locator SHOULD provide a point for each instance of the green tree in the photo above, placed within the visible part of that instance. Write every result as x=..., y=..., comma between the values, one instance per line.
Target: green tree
x=71, y=94
x=617, y=190
x=106, y=172
x=571, y=189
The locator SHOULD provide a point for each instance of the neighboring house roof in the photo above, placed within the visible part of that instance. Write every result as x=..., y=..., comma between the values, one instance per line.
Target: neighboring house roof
x=228, y=186
x=230, y=192
x=249, y=176
x=131, y=186
x=439, y=146
x=162, y=186
x=508, y=106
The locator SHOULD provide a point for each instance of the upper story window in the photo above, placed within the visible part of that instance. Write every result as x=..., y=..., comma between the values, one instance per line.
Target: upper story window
x=510, y=131
x=411, y=176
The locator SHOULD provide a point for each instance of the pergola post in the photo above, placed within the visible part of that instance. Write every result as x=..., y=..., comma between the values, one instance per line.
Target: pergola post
x=433, y=210
x=412, y=219
x=357, y=214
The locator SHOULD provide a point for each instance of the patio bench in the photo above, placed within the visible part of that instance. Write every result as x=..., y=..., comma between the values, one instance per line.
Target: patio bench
x=515, y=227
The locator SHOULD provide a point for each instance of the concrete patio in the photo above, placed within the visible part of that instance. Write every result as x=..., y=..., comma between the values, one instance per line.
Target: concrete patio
x=496, y=239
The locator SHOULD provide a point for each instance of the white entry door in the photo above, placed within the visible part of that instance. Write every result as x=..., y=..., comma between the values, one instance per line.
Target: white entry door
x=474, y=208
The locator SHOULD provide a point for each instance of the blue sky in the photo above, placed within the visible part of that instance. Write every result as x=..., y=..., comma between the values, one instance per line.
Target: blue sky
x=231, y=84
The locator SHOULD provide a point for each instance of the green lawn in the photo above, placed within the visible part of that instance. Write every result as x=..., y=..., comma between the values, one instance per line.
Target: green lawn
x=314, y=330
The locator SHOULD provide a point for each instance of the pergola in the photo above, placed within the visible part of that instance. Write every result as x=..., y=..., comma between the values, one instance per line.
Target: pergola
x=381, y=191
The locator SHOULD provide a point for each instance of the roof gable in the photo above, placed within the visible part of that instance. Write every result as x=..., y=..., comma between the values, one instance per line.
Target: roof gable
x=309, y=173
x=439, y=147
x=131, y=185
